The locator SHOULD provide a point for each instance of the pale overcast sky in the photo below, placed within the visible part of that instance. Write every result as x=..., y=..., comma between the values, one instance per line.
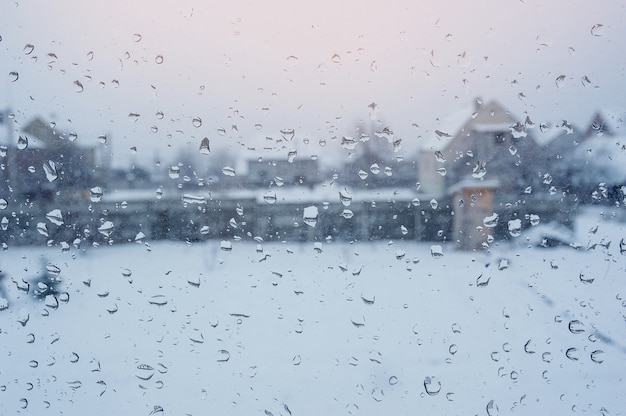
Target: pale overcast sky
x=312, y=66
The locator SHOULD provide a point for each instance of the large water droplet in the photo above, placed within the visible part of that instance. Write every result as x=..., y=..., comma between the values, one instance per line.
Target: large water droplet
x=432, y=386
x=492, y=409
x=95, y=194
x=106, y=228
x=576, y=327
x=597, y=356
x=50, y=169
x=204, y=146
x=22, y=142
x=346, y=213
x=491, y=221
x=515, y=227
x=228, y=171
x=269, y=197
x=375, y=169
x=196, y=122
x=310, y=215
x=55, y=217
x=345, y=197
x=436, y=251
x=434, y=204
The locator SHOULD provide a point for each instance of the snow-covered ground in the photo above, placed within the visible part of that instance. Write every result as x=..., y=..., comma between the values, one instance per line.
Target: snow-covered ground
x=363, y=328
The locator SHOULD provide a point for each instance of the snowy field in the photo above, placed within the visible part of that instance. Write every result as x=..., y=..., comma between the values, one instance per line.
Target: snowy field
x=286, y=329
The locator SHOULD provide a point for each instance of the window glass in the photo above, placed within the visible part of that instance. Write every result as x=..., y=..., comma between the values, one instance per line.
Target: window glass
x=312, y=207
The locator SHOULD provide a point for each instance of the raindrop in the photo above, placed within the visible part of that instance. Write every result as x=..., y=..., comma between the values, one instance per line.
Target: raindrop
x=310, y=215
x=432, y=386
x=160, y=115
x=288, y=134
x=434, y=204
x=436, y=251
x=269, y=197
x=196, y=122
x=534, y=219
x=102, y=139
x=586, y=280
x=204, y=146
x=572, y=353
x=159, y=300
x=3, y=204
x=174, y=172
x=492, y=408
x=388, y=171
x=596, y=356
x=95, y=194
x=22, y=142
x=515, y=227
x=442, y=171
x=55, y=217
x=137, y=37
x=393, y=380
x=226, y=245
x=345, y=197
x=4, y=224
x=596, y=30
x=223, y=356
x=482, y=280
x=346, y=213
x=439, y=157
x=79, y=86
x=336, y=58
x=158, y=59
x=50, y=168
x=479, y=170
x=228, y=171
x=13, y=76
x=576, y=327
x=404, y=230
x=362, y=174
x=559, y=81
x=72, y=137
x=291, y=156
x=491, y=221
x=106, y=228
x=375, y=169
x=28, y=49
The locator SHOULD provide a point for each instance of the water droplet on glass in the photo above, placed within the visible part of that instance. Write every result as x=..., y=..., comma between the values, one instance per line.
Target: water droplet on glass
x=362, y=174
x=442, y=171
x=102, y=139
x=436, y=251
x=158, y=59
x=288, y=134
x=55, y=217
x=95, y=194
x=597, y=356
x=375, y=169
x=174, y=172
x=534, y=219
x=479, y=170
x=226, y=245
x=336, y=58
x=159, y=300
x=347, y=214
x=28, y=49
x=228, y=171
x=388, y=171
x=22, y=142
x=492, y=409
x=4, y=224
x=310, y=215
x=596, y=30
x=291, y=156
x=404, y=230
x=223, y=356
x=345, y=197
x=204, y=146
x=515, y=227
x=491, y=221
x=434, y=204
x=572, y=353
x=269, y=197
x=3, y=204
x=50, y=169
x=576, y=327
x=432, y=386
x=196, y=122
x=106, y=228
